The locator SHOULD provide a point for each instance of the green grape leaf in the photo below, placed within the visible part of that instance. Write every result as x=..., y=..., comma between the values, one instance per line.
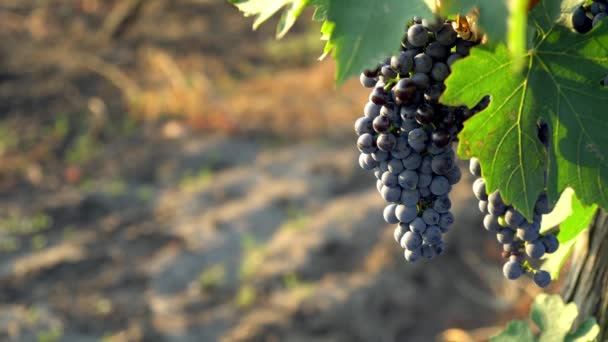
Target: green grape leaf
x=264, y=9
x=364, y=32
x=560, y=85
x=515, y=331
x=587, y=331
x=554, y=319
x=492, y=15
x=320, y=6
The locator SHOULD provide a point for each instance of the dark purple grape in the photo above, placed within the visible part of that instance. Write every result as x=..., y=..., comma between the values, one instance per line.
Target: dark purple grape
x=381, y=124
x=367, y=82
x=405, y=90
x=580, y=21
x=388, y=72
x=433, y=93
x=423, y=63
x=437, y=51
x=417, y=35
x=441, y=138
x=453, y=58
x=421, y=80
x=386, y=142
x=378, y=96
x=440, y=71
x=363, y=125
x=424, y=114
x=447, y=36
x=365, y=143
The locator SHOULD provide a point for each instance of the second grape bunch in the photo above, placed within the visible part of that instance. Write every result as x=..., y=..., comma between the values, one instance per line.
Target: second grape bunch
x=522, y=240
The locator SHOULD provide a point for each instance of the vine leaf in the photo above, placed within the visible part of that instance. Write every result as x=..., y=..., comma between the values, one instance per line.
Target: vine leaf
x=361, y=33
x=264, y=9
x=559, y=85
x=554, y=319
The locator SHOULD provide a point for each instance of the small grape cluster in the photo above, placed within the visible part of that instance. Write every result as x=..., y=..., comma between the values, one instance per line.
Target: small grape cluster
x=405, y=135
x=587, y=16
x=520, y=239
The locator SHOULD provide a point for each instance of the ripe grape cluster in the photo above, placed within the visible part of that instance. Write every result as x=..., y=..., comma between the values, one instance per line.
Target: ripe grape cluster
x=521, y=240
x=406, y=135
x=587, y=16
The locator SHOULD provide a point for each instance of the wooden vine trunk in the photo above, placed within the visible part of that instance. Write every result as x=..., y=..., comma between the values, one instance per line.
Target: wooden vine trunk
x=587, y=281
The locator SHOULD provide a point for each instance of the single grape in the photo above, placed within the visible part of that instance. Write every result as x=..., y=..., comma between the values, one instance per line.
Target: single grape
x=441, y=138
x=388, y=72
x=417, y=139
x=381, y=124
x=433, y=93
x=443, y=163
x=417, y=35
x=514, y=218
x=440, y=71
x=391, y=194
x=535, y=249
x=437, y=51
x=365, y=143
x=453, y=58
x=367, y=162
x=367, y=82
x=406, y=213
x=512, y=270
x=424, y=114
x=475, y=167
x=439, y=248
x=405, y=90
x=391, y=111
x=408, y=179
x=463, y=47
x=542, y=205
x=371, y=110
x=424, y=180
x=495, y=204
x=378, y=96
x=445, y=221
x=433, y=25
x=403, y=63
x=432, y=235
x=402, y=148
x=490, y=223
x=442, y=204
x=399, y=231
x=395, y=166
x=550, y=242
x=411, y=240
x=410, y=197
x=412, y=161
x=389, y=179
x=386, y=142
x=580, y=21
x=412, y=255
x=418, y=225
x=389, y=214
x=505, y=235
x=421, y=80
x=423, y=63
x=430, y=216
x=527, y=232
x=479, y=189
x=439, y=186
x=542, y=278
x=446, y=36
x=363, y=125
x=598, y=18
x=454, y=175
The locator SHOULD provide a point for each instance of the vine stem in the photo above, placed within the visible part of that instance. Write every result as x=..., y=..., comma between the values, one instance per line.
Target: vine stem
x=587, y=281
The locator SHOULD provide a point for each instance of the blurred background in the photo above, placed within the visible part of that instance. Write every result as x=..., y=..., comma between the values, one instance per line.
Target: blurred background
x=168, y=174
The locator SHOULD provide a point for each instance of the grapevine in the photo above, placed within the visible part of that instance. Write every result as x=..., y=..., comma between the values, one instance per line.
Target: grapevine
x=521, y=86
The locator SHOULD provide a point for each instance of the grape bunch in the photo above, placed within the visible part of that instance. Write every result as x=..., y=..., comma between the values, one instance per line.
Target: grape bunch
x=521, y=240
x=406, y=135
x=587, y=16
